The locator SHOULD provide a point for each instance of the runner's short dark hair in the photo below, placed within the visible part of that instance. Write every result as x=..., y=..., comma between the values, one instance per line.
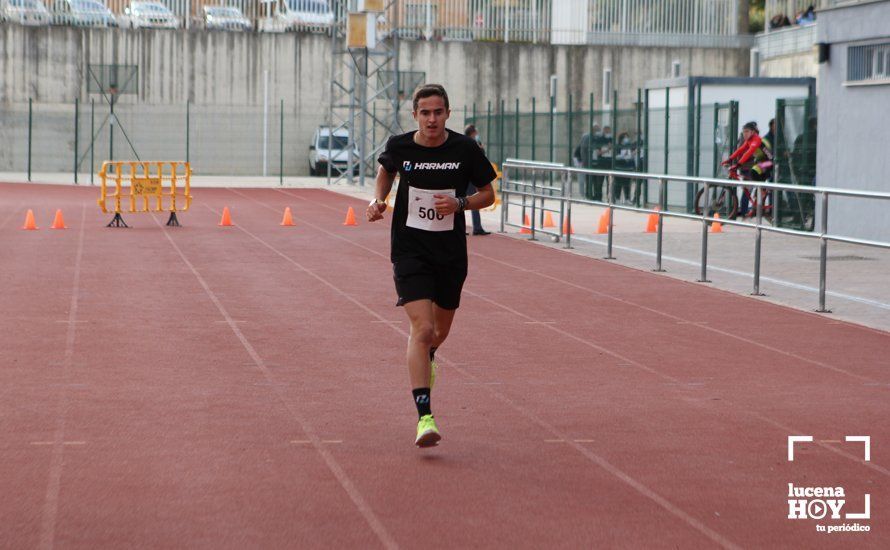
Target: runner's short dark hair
x=429, y=90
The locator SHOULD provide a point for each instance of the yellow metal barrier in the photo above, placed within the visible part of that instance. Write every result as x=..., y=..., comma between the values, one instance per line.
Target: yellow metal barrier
x=139, y=183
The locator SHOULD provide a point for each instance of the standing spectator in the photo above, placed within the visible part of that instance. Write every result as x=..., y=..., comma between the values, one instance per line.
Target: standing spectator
x=624, y=161
x=771, y=135
x=603, y=145
x=803, y=168
x=471, y=132
x=803, y=156
x=770, y=141
x=639, y=162
x=584, y=156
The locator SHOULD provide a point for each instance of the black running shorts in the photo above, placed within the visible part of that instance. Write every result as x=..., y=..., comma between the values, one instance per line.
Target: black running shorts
x=417, y=279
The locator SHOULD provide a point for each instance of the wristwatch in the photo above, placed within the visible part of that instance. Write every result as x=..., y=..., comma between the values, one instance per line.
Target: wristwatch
x=376, y=202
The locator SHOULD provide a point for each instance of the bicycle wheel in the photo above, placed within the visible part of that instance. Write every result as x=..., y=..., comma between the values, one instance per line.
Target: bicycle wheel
x=722, y=200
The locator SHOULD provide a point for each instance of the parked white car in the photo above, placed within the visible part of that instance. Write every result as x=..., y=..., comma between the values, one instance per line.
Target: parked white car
x=82, y=13
x=26, y=12
x=326, y=149
x=227, y=18
x=305, y=14
x=150, y=15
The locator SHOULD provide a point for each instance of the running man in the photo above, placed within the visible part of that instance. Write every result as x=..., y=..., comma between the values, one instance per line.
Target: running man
x=429, y=246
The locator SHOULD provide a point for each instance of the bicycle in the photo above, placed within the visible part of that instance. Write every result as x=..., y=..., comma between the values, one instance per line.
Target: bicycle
x=724, y=200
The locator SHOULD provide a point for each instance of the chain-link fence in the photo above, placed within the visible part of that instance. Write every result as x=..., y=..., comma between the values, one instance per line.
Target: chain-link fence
x=217, y=140
x=275, y=141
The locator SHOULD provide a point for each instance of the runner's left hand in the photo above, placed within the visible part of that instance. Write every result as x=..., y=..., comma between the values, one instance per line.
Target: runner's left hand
x=445, y=204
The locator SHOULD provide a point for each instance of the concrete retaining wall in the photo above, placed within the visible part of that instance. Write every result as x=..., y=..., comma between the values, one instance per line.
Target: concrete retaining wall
x=221, y=75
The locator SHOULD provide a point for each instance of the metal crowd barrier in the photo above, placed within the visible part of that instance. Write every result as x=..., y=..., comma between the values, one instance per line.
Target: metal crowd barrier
x=541, y=188
x=167, y=183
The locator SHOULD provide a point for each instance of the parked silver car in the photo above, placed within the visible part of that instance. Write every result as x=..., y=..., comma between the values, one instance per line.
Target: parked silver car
x=26, y=12
x=226, y=18
x=82, y=13
x=150, y=15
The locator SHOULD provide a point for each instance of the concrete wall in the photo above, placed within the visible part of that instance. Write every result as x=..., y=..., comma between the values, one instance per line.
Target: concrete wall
x=476, y=71
x=221, y=74
x=794, y=65
x=852, y=151
x=49, y=64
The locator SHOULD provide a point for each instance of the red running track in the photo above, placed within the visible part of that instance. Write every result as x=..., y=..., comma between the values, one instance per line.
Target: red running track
x=238, y=387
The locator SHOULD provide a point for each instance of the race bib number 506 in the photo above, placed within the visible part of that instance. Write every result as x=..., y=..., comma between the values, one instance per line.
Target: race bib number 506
x=422, y=210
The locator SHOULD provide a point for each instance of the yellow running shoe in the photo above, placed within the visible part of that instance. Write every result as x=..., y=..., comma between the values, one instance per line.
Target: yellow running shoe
x=433, y=368
x=427, y=432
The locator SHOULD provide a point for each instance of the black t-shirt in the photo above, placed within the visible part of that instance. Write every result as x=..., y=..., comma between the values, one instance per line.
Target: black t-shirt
x=452, y=165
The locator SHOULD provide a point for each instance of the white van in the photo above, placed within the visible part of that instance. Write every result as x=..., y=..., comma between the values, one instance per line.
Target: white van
x=326, y=148
x=311, y=15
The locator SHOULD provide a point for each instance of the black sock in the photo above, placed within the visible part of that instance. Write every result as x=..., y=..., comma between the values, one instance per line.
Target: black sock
x=433, y=353
x=422, y=401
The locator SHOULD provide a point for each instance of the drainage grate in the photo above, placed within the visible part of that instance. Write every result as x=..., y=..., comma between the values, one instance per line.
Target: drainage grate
x=847, y=258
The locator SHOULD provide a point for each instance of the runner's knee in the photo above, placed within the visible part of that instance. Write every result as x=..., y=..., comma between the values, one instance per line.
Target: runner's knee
x=423, y=333
x=441, y=334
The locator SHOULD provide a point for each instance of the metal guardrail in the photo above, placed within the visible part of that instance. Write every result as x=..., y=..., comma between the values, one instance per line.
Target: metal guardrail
x=534, y=194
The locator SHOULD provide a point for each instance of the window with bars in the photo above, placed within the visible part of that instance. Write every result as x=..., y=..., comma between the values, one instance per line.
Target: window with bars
x=868, y=63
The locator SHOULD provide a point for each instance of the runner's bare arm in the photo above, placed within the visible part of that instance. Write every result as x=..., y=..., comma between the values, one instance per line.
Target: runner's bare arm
x=483, y=198
x=384, y=186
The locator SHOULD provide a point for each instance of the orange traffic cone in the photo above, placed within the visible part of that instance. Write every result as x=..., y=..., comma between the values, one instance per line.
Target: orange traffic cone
x=567, y=227
x=226, y=218
x=526, y=224
x=59, y=221
x=652, y=222
x=716, y=227
x=350, y=217
x=29, y=221
x=548, y=220
x=288, y=219
x=604, y=222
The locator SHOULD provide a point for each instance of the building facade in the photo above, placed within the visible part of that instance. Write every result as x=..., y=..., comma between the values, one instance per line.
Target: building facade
x=853, y=107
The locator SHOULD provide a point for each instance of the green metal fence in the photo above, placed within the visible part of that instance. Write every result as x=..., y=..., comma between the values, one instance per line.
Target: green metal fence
x=597, y=138
x=77, y=137
x=795, y=158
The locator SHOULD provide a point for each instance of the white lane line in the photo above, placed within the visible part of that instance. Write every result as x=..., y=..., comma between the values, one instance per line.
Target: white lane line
x=336, y=469
x=780, y=282
x=51, y=500
x=677, y=318
x=641, y=488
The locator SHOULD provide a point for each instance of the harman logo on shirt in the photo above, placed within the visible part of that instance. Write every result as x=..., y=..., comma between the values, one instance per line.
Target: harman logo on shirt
x=407, y=166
